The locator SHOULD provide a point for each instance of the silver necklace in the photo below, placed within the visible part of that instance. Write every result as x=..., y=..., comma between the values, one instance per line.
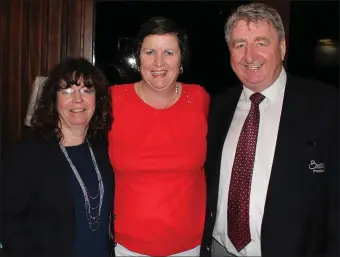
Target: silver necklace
x=93, y=221
x=166, y=106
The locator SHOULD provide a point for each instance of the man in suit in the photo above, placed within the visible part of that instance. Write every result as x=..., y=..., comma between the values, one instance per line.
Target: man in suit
x=272, y=171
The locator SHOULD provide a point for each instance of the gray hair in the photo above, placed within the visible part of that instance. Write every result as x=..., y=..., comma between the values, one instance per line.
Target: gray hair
x=255, y=12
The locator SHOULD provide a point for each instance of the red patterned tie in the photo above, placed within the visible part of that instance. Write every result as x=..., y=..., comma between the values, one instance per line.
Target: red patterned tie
x=240, y=182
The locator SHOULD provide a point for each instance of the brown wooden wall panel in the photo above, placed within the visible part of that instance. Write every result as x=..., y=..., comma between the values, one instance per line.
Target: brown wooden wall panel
x=13, y=109
x=4, y=9
x=54, y=33
x=36, y=42
x=88, y=28
x=64, y=27
x=24, y=90
x=74, y=28
x=79, y=41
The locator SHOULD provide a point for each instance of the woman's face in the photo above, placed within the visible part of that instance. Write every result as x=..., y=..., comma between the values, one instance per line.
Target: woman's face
x=160, y=60
x=75, y=106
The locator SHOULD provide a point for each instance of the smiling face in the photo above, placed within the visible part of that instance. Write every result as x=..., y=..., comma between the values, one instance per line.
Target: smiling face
x=75, y=110
x=160, y=60
x=256, y=54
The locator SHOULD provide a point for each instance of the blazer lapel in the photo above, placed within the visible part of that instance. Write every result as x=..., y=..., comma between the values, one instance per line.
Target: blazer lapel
x=58, y=174
x=229, y=111
x=219, y=123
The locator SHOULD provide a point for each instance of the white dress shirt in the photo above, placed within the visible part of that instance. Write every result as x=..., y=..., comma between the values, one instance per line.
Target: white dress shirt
x=270, y=112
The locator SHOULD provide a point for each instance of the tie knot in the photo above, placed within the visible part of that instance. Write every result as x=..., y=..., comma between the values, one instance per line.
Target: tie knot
x=257, y=98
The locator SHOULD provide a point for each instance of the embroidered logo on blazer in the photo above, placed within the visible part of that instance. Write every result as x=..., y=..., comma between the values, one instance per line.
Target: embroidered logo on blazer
x=316, y=167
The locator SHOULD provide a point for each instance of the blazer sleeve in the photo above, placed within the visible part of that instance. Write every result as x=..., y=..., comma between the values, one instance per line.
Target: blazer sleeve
x=18, y=223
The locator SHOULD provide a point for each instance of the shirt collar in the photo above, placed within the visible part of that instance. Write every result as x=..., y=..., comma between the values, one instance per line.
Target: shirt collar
x=271, y=93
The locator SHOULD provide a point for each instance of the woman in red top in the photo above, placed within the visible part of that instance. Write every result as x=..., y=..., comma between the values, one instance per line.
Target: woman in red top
x=157, y=149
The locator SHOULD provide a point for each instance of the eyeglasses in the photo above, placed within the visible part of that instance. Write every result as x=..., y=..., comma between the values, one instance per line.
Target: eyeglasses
x=83, y=91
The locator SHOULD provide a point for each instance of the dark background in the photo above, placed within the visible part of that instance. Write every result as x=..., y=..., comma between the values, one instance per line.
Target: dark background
x=204, y=22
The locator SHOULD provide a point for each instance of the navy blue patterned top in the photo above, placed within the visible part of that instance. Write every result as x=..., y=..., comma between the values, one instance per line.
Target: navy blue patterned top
x=88, y=243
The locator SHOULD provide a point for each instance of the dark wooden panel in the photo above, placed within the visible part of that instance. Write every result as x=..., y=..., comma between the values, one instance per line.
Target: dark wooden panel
x=12, y=113
x=88, y=28
x=80, y=26
x=74, y=43
x=24, y=71
x=54, y=33
x=35, y=42
x=64, y=28
x=4, y=53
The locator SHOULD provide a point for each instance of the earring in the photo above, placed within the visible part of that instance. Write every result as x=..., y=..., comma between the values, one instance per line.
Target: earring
x=138, y=68
x=181, y=69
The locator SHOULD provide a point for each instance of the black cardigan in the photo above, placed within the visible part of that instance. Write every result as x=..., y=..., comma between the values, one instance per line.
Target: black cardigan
x=38, y=211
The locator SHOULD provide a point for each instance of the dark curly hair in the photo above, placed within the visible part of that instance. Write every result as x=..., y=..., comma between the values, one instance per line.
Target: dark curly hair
x=45, y=119
x=162, y=26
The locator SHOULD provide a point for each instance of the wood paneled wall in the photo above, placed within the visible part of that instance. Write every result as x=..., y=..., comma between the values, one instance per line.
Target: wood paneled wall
x=35, y=36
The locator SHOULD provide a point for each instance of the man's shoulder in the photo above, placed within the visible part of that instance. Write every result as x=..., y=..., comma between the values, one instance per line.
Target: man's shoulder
x=317, y=97
x=311, y=86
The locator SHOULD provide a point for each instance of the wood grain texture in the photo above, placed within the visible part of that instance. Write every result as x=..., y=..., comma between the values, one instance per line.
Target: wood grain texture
x=13, y=109
x=4, y=16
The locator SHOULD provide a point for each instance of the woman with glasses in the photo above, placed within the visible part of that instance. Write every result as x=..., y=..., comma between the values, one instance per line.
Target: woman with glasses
x=58, y=185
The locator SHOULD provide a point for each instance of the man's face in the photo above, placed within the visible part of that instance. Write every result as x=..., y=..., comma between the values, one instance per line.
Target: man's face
x=256, y=54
